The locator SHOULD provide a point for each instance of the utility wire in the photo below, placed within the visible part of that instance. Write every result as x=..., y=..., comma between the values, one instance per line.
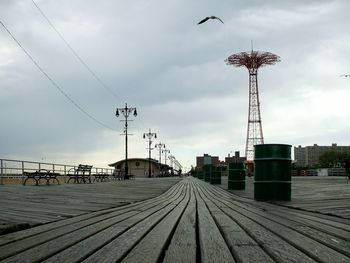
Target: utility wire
x=76, y=54
x=53, y=82
x=138, y=122
x=142, y=125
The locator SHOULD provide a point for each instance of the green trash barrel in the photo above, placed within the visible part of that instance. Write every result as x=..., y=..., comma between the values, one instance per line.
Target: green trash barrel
x=207, y=169
x=215, y=175
x=236, y=176
x=272, y=172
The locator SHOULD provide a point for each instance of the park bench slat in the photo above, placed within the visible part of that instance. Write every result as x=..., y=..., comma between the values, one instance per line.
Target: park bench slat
x=183, y=245
x=80, y=174
x=119, y=247
x=41, y=174
x=213, y=247
x=153, y=245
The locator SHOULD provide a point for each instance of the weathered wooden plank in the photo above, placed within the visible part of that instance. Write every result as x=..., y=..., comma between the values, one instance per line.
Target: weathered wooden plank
x=276, y=247
x=77, y=199
x=119, y=247
x=183, y=245
x=311, y=193
x=309, y=246
x=37, y=230
x=44, y=250
x=217, y=227
x=88, y=245
x=332, y=223
x=242, y=246
x=152, y=246
x=213, y=247
x=12, y=237
x=35, y=240
x=322, y=233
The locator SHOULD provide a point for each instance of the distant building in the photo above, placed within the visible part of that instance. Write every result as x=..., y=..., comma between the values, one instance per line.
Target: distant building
x=309, y=156
x=235, y=159
x=206, y=159
x=139, y=167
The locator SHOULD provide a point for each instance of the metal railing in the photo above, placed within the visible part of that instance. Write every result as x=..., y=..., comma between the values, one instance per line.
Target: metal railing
x=15, y=168
x=320, y=172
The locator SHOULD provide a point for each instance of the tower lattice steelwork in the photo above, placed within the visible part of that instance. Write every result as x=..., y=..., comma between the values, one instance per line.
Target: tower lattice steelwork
x=253, y=61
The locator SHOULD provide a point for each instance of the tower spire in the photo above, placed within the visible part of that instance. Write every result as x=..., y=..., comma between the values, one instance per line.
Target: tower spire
x=253, y=62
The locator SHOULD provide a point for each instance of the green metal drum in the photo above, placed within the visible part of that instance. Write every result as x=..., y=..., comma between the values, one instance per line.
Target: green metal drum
x=272, y=172
x=215, y=175
x=207, y=169
x=236, y=176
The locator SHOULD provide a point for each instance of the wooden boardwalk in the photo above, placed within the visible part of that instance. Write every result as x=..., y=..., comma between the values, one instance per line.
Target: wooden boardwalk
x=329, y=195
x=27, y=206
x=191, y=222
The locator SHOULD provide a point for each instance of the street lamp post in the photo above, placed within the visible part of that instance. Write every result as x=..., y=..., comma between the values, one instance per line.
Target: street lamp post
x=149, y=136
x=165, y=151
x=126, y=112
x=160, y=146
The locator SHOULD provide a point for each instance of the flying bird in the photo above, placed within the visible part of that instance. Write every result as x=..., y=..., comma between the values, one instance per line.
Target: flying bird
x=209, y=17
x=345, y=75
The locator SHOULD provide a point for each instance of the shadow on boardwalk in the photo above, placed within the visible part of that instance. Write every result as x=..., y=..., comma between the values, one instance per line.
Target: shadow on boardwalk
x=191, y=222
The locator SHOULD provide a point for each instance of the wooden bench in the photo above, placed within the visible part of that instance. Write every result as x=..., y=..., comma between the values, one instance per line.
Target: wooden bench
x=41, y=174
x=80, y=174
x=117, y=175
x=101, y=177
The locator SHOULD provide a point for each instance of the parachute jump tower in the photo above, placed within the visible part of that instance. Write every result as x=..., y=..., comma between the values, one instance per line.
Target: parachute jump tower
x=253, y=61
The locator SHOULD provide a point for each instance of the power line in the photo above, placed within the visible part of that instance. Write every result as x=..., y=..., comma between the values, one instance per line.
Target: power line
x=53, y=82
x=76, y=54
x=80, y=59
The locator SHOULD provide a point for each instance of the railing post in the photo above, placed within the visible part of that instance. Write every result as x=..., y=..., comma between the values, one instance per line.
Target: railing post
x=2, y=173
x=53, y=167
x=65, y=173
x=22, y=172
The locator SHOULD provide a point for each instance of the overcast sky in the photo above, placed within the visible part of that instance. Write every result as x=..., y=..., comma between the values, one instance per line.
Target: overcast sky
x=154, y=56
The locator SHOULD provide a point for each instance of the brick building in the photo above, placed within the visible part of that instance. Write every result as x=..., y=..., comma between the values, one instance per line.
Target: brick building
x=235, y=159
x=206, y=159
x=309, y=156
